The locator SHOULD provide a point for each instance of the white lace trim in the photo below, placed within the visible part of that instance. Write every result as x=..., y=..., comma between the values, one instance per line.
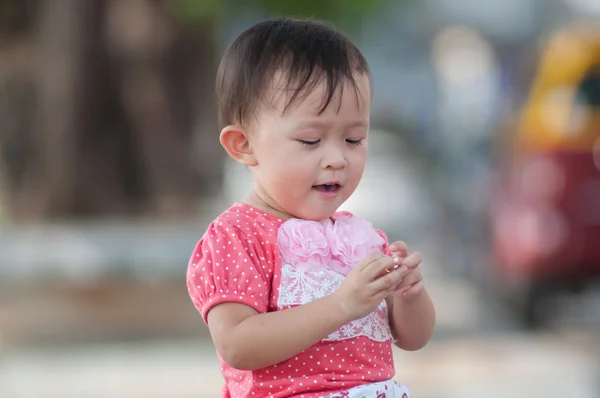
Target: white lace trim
x=300, y=285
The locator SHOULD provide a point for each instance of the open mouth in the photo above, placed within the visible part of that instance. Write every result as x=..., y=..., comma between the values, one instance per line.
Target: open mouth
x=329, y=188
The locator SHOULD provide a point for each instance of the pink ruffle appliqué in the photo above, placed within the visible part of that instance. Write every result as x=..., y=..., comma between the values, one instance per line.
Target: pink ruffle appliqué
x=339, y=245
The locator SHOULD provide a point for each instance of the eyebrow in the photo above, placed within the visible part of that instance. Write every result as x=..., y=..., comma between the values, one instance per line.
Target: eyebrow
x=322, y=124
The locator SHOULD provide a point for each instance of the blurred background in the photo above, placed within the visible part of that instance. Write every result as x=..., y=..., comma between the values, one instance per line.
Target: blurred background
x=485, y=156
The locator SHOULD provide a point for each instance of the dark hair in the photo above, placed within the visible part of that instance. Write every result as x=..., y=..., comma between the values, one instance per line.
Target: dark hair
x=307, y=52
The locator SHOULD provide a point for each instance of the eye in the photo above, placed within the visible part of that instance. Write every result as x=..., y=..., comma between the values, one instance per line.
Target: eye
x=309, y=143
x=355, y=142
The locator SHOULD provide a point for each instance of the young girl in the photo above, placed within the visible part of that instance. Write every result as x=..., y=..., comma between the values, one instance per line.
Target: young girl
x=301, y=300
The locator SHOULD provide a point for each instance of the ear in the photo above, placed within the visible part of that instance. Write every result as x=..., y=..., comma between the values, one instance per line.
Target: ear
x=235, y=141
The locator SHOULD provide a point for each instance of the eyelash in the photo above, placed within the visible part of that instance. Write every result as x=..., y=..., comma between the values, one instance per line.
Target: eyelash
x=355, y=142
x=313, y=143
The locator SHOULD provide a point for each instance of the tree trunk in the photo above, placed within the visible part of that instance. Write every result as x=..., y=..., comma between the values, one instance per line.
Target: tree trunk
x=122, y=119
x=163, y=69
x=62, y=39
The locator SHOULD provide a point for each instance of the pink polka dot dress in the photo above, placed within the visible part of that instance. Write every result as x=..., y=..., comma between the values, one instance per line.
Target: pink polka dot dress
x=246, y=257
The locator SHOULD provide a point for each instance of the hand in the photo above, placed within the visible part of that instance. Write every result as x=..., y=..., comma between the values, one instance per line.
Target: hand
x=363, y=290
x=411, y=285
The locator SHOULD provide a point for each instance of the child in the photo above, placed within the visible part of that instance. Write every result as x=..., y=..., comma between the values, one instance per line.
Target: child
x=300, y=300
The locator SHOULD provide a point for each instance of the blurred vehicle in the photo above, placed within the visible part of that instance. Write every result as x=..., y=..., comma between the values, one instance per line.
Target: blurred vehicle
x=545, y=214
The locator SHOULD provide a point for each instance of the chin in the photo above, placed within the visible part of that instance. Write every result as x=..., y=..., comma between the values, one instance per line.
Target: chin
x=316, y=215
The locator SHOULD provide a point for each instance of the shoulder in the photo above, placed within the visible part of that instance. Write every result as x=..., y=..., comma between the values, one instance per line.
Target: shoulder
x=234, y=261
x=239, y=231
x=244, y=222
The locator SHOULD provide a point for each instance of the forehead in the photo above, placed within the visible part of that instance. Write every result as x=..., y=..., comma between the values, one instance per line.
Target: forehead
x=318, y=96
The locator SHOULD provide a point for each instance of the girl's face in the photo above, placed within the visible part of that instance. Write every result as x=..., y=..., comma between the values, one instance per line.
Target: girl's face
x=307, y=165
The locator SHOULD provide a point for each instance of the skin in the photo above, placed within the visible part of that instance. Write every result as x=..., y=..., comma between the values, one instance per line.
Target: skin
x=310, y=149
x=306, y=148
x=411, y=310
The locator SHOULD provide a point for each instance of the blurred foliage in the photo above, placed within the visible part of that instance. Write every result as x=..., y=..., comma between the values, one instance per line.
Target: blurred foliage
x=194, y=9
x=342, y=12
x=145, y=137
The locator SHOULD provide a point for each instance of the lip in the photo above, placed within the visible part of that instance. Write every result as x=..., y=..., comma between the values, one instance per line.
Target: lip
x=327, y=194
x=331, y=183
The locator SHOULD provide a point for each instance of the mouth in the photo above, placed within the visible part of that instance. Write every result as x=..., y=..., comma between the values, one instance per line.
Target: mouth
x=328, y=188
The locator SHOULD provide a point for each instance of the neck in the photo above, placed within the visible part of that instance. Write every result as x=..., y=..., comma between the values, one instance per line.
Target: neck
x=264, y=203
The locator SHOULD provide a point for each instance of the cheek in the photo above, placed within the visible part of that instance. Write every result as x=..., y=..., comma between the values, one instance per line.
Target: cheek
x=284, y=168
x=358, y=160
x=272, y=155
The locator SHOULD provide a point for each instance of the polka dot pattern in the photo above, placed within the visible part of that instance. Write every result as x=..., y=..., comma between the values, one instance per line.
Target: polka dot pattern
x=237, y=260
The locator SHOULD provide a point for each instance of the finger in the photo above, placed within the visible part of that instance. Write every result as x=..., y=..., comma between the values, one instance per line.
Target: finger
x=399, y=286
x=412, y=278
x=414, y=289
x=368, y=260
x=387, y=282
x=401, y=269
x=399, y=247
x=413, y=260
x=397, y=263
x=380, y=296
x=379, y=267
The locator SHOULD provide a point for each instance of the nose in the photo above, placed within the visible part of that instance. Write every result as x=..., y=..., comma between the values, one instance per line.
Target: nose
x=335, y=158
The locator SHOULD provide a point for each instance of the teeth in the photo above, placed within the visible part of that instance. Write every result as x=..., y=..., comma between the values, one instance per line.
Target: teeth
x=328, y=187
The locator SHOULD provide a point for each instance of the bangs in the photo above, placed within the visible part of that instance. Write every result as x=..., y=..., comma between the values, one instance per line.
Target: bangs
x=289, y=58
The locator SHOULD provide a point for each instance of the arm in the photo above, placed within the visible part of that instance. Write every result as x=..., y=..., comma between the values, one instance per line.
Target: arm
x=411, y=321
x=247, y=340
x=410, y=308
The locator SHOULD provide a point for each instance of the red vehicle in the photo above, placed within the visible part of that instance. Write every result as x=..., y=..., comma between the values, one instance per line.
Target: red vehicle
x=545, y=215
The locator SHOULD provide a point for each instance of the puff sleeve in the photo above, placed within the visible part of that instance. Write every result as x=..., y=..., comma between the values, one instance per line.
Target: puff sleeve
x=386, y=244
x=228, y=266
